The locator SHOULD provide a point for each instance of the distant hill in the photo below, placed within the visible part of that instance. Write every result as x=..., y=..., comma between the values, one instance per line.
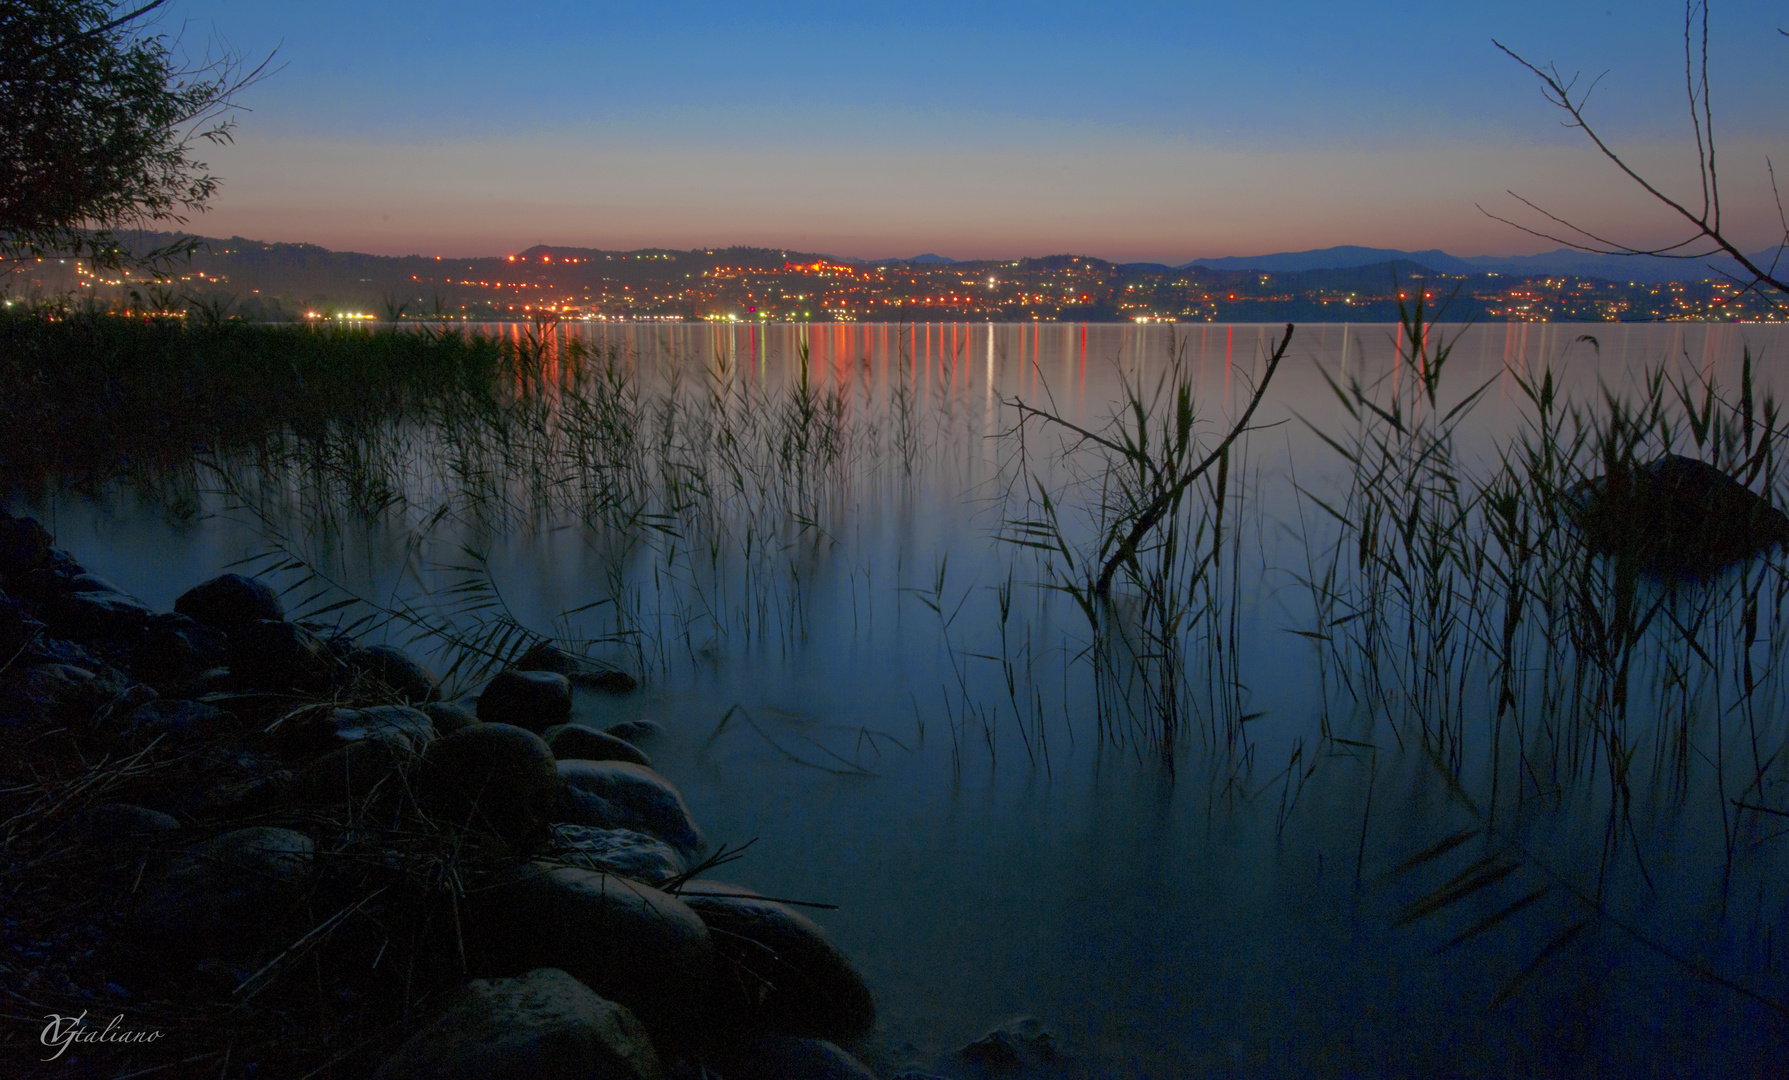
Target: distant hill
x=1643, y=268
x=928, y=259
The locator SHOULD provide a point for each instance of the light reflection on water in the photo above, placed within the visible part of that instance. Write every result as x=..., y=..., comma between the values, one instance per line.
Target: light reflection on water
x=1183, y=926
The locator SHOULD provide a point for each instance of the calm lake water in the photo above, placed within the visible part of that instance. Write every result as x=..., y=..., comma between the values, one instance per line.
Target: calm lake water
x=832, y=664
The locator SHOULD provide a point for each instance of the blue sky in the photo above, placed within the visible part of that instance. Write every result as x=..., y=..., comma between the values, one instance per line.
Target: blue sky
x=1158, y=131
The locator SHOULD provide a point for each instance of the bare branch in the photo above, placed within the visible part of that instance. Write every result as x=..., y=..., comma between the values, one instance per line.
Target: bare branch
x=1558, y=90
x=31, y=58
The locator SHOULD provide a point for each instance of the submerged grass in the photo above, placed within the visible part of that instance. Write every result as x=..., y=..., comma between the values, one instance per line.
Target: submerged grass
x=1464, y=612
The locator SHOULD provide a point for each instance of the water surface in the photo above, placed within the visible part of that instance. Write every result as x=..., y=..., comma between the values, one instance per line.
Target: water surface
x=1227, y=911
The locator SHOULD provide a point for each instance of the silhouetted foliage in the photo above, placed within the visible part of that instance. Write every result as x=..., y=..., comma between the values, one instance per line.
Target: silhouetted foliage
x=99, y=121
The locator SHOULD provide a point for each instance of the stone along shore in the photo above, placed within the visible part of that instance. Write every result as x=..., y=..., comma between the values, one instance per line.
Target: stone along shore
x=273, y=815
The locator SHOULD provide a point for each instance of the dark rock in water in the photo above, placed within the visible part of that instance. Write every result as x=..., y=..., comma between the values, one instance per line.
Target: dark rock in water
x=607, y=680
x=635, y=731
x=231, y=601
x=1676, y=517
x=175, y=721
x=24, y=545
x=449, y=716
x=777, y=970
x=624, y=852
x=1016, y=1044
x=622, y=795
x=397, y=670
x=544, y=1025
x=492, y=777
x=627, y=941
x=786, y=1057
x=547, y=656
x=269, y=655
x=535, y=700
x=589, y=744
x=231, y=895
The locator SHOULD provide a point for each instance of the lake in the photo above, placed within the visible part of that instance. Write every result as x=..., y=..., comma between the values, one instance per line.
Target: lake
x=1230, y=830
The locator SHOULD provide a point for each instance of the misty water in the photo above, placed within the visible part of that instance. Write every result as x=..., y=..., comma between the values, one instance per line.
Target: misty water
x=835, y=692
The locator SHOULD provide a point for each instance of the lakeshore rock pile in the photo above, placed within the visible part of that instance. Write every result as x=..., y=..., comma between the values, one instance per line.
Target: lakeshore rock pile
x=482, y=889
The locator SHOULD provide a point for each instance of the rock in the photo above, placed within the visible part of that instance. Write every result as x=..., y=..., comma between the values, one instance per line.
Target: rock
x=106, y=615
x=1016, y=1044
x=622, y=795
x=636, y=731
x=356, y=776
x=65, y=693
x=175, y=721
x=777, y=970
x=492, y=777
x=1676, y=517
x=608, y=680
x=327, y=729
x=231, y=601
x=535, y=700
x=786, y=1057
x=268, y=655
x=86, y=581
x=17, y=628
x=618, y=851
x=393, y=667
x=114, y=822
x=131, y=842
x=232, y=894
x=589, y=744
x=53, y=650
x=24, y=545
x=543, y=1025
x=546, y=656
x=233, y=779
x=175, y=649
x=625, y=940
x=449, y=717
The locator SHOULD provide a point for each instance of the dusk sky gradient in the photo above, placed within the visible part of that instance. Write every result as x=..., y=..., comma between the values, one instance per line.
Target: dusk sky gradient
x=1132, y=132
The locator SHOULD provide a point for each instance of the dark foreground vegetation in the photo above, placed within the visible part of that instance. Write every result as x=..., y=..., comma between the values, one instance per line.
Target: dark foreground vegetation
x=95, y=397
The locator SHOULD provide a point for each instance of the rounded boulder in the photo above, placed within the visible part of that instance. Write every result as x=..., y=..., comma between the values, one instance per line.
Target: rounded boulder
x=536, y=700
x=589, y=744
x=232, y=893
x=231, y=601
x=396, y=670
x=492, y=777
x=777, y=970
x=542, y=1025
x=618, y=851
x=622, y=795
x=626, y=940
x=269, y=655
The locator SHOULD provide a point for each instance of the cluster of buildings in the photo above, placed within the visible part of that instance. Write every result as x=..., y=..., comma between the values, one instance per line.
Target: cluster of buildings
x=290, y=281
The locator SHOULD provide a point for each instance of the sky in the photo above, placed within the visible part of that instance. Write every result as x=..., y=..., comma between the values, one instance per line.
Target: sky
x=1158, y=132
